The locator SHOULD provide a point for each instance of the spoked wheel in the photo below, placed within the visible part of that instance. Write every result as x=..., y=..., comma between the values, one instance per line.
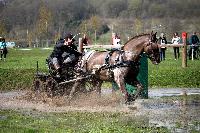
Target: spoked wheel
x=88, y=87
x=84, y=86
x=52, y=87
x=37, y=85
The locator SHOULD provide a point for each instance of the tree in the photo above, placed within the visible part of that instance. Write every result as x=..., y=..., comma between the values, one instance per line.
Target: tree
x=138, y=26
x=113, y=8
x=134, y=7
x=95, y=25
x=3, y=31
x=43, y=21
x=83, y=27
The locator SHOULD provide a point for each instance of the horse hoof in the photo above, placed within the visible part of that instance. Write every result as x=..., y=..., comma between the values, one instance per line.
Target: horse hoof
x=131, y=98
x=127, y=102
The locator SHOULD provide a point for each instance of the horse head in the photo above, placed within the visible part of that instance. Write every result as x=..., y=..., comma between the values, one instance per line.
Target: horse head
x=152, y=49
x=145, y=43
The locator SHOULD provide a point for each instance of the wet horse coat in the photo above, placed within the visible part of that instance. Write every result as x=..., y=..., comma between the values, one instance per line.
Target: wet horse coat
x=123, y=65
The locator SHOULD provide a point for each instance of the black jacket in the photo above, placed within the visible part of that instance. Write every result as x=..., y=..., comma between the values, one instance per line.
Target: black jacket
x=60, y=48
x=194, y=39
x=163, y=40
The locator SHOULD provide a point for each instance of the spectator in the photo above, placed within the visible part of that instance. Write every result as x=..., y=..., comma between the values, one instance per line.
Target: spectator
x=163, y=41
x=3, y=49
x=116, y=41
x=176, y=40
x=193, y=41
x=85, y=42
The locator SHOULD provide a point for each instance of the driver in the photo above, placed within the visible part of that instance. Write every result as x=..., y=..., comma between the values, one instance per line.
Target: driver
x=64, y=48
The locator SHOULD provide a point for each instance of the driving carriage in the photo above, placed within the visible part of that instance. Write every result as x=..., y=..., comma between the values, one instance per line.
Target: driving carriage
x=54, y=85
x=122, y=66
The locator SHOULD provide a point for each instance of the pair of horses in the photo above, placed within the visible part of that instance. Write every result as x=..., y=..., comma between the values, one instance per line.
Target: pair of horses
x=123, y=65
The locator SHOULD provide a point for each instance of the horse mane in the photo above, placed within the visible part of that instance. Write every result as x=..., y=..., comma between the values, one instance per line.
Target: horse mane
x=137, y=36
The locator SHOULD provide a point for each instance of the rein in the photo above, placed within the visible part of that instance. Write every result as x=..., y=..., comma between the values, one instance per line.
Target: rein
x=122, y=63
x=152, y=52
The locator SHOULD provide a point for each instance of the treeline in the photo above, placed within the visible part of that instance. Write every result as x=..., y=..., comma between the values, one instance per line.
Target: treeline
x=50, y=19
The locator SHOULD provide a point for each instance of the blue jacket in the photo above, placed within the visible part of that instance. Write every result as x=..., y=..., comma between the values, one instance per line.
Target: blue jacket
x=2, y=45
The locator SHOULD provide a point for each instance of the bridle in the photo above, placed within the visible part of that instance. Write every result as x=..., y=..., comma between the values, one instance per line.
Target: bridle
x=150, y=54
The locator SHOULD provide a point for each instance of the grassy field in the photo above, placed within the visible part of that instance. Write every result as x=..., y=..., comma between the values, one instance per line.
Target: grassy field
x=18, y=70
x=73, y=122
x=170, y=74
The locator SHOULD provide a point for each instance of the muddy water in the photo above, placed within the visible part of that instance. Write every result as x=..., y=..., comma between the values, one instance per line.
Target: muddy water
x=178, y=115
x=172, y=92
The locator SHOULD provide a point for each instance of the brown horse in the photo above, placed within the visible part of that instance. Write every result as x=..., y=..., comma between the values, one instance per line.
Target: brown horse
x=122, y=65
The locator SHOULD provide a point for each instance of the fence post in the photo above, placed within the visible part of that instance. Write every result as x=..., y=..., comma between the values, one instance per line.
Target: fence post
x=184, y=53
x=80, y=45
x=142, y=77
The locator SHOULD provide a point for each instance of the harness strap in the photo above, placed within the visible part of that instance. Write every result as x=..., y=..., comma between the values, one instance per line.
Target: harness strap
x=108, y=56
x=120, y=64
x=83, y=62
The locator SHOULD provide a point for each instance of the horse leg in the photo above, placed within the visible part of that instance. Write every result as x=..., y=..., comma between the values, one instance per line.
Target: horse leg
x=139, y=89
x=76, y=84
x=98, y=87
x=121, y=85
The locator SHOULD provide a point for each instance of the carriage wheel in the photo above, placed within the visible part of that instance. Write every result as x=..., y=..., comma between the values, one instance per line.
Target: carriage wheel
x=87, y=87
x=37, y=85
x=51, y=87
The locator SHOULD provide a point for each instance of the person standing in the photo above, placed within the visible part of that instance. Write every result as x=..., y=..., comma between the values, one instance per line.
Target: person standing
x=163, y=41
x=85, y=42
x=194, y=41
x=176, y=40
x=116, y=41
x=3, y=49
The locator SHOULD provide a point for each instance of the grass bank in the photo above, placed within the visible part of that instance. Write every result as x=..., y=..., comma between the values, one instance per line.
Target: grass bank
x=170, y=74
x=73, y=122
x=19, y=68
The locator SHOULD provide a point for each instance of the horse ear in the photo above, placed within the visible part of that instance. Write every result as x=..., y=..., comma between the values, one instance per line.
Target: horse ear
x=151, y=32
x=155, y=34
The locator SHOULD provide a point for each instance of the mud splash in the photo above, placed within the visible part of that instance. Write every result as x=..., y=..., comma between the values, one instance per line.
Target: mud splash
x=41, y=102
x=180, y=112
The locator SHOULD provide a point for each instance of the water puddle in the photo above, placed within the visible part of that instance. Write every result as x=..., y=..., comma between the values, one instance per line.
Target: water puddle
x=176, y=109
x=152, y=93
